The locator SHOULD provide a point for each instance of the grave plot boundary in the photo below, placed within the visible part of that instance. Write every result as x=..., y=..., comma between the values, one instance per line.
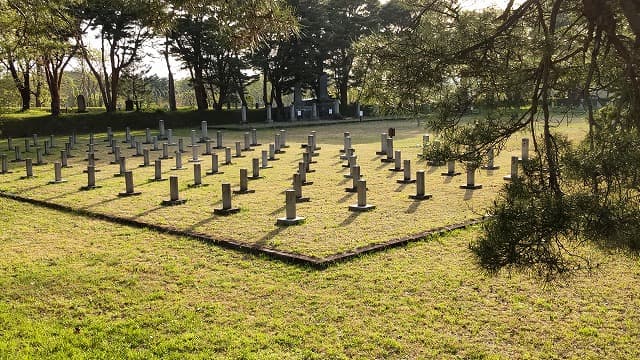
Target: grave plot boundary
x=289, y=257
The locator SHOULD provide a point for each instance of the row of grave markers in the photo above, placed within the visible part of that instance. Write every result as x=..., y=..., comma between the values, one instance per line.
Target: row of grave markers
x=299, y=179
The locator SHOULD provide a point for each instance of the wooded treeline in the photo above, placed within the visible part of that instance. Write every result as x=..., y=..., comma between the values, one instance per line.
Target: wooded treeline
x=224, y=46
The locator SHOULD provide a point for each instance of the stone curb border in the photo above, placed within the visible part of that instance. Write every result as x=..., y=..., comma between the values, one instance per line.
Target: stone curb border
x=300, y=259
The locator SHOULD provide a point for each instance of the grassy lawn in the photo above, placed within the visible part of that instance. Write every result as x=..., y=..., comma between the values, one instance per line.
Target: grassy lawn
x=83, y=288
x=330, y=227
x=76, y=287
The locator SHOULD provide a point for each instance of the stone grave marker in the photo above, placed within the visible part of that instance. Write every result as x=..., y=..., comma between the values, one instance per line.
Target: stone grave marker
x=265, y=160
x=283, y=139
x=525, y=150
x=514, y=169
x=63, y=159
x=127, y=135
x=138, y=150
x=383, y=144
x=214, y=165
x=471, y=182
x=254, y=138
x=197, y=176
x=57, y=171
x=156, y=147
x=290, y=213
x=39, y=157
x=362, y=204
x=18, y=154
x=178, y=157
x=116, y=155
x=490, y=161
x=165, y=151
x=420, y=186
x=227, y=208
x=398, y=162
x=163, y=134
x=238, y=150
x=451, y=169
x=244, y=183
x=272, y=152
x=194, y=154
x=5, y=165
x=302, y=170
x=145, y=158
x=128, y=185
x=255, y=169
x=390, y=153
x=355, y=177
x=247, y=142
x=170, y=137
x=227, y=156
x=297, y=186
x=204, y=131
x=219, y=144
x=207, y=147
x=193, y=138
x=157, y=171
x=123, y=167
x=406, y=178
x=47, y=148
x=91, y=179
x=174, y=195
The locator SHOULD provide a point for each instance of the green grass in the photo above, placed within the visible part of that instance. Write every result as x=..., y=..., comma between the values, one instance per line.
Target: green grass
x=329, y=228
x=82, y=288
x=76, y=287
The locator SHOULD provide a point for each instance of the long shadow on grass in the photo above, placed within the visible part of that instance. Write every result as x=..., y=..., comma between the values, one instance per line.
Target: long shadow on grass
x=147, y=212
x=468, y=194
x=204, y=221
x=351, y=218
x=346, y=197
x=106, y=201
x=278, y=210
x=401, y=187
x=413, y=207
x=270, y=235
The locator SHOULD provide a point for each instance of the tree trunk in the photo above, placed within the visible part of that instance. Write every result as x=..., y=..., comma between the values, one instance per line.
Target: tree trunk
x=199, y=89
x=22, y=85
x=344, y=88
x=172, y=87
x=265, y=79
x=278, y=98
x=54, y=91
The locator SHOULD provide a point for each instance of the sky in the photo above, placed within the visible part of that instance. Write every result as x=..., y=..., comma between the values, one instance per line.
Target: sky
x=159, y=67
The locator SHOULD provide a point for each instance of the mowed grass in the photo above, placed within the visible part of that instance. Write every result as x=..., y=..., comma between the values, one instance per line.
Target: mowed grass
x=329, y=228
x=74, y=287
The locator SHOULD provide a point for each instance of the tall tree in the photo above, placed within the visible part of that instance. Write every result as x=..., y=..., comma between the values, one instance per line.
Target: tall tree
x=120, y=28
x=348, y=21
x=209, y=37
x=16, y=54
x=568, y=194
